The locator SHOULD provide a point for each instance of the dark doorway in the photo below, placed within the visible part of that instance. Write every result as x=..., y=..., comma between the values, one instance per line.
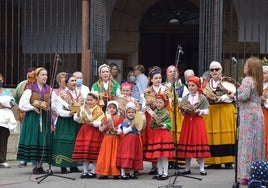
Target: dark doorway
x=166, y=25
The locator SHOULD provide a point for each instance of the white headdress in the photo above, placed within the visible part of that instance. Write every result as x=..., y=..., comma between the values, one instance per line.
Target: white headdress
x=103, y=65
x=130, y=105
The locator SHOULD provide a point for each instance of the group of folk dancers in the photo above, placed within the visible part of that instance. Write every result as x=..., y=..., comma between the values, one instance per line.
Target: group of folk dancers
x=99, y=130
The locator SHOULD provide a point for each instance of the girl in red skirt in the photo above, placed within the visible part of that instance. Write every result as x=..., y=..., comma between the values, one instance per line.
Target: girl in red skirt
x=106, y=163
x=193, y=140
x=130, y=150
x=161, y=146
x=89, y=138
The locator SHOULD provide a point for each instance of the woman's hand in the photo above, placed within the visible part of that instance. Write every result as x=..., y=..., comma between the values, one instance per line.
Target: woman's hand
x=37, y=110
x=231, y=95
x=71, y=113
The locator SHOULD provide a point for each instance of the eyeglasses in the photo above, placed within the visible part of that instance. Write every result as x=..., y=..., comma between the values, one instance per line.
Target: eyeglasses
x=217, y=69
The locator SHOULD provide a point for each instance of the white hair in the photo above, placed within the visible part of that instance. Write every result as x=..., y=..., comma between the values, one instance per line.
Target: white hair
x=189, y=72
x=215, y=64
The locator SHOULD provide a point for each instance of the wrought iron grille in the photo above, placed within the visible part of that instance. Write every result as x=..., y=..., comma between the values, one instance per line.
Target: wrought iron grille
x=244, y=33
x=32, y=31
x=97, y=36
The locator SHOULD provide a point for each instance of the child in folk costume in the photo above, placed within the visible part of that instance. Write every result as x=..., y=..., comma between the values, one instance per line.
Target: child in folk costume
x=148, y=98
x=193, y=140
x=161, y=145
x=89, y=138
x=106, y=163
x=130, y=150
x=125, y=97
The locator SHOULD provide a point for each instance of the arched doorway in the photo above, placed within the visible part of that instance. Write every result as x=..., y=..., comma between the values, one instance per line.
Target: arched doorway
x=167, y=24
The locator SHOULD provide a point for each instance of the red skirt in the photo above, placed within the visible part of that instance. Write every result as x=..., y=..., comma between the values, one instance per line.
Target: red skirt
x=193, y=139
x=161, y=145
x=87, y=144
x=147, y=136
x=106, y=163
x=130, y=153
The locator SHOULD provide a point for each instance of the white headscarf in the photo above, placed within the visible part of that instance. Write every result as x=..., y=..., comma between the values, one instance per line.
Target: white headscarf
x=103, y=65
x=130, y=105
x=265, y=68
x=112, y=102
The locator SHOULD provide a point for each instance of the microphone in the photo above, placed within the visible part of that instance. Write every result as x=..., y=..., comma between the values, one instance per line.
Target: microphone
x=58, y=58
x=180, y=49
x=234, y=60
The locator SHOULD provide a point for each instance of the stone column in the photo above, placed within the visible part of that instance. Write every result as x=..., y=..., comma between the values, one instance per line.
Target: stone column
x=85, y=56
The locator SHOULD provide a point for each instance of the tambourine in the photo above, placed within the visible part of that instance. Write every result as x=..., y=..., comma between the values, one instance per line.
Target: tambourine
x=228, y=85
x=122, y=101
x=211, y=96
x=75, y=107
x=40, y=104
x=139, y=121
x=187, y=107
x=149, y=96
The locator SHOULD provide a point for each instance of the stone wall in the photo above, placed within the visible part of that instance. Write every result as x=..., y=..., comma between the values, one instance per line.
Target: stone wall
x=12, y=146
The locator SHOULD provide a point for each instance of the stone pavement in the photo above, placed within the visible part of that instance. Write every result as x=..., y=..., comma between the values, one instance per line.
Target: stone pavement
x=22, y=177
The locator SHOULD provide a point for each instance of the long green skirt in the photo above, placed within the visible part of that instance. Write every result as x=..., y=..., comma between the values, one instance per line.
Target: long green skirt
x=34, y=138
x=63, y=142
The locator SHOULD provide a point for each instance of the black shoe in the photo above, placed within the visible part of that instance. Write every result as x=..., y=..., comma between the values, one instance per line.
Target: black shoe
x=163, y=177
x=41, y=170
x=103, y=177
x=38, y=170
x=74, y=169
x=214, y=166
x=124, y=177
x=63, y=170
x=133, y=176
x=91, y=175
x=35, y=170
x=137, y=173
x=203, y=173
x=186, y=172
x=156, y=177
x=85, y=176
x=228, y=166
x=22, y=164
x=153, y=171
x=171, y=165
x=116, y=177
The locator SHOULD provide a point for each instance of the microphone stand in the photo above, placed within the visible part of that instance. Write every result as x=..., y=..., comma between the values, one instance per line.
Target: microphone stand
x=234, y=61
x=177, y=173
x=49, y=122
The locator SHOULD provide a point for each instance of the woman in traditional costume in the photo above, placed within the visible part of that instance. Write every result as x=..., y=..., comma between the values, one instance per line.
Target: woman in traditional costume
x=105, y=86
x=35, y=130
x=220, y=122
x=66, y=128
